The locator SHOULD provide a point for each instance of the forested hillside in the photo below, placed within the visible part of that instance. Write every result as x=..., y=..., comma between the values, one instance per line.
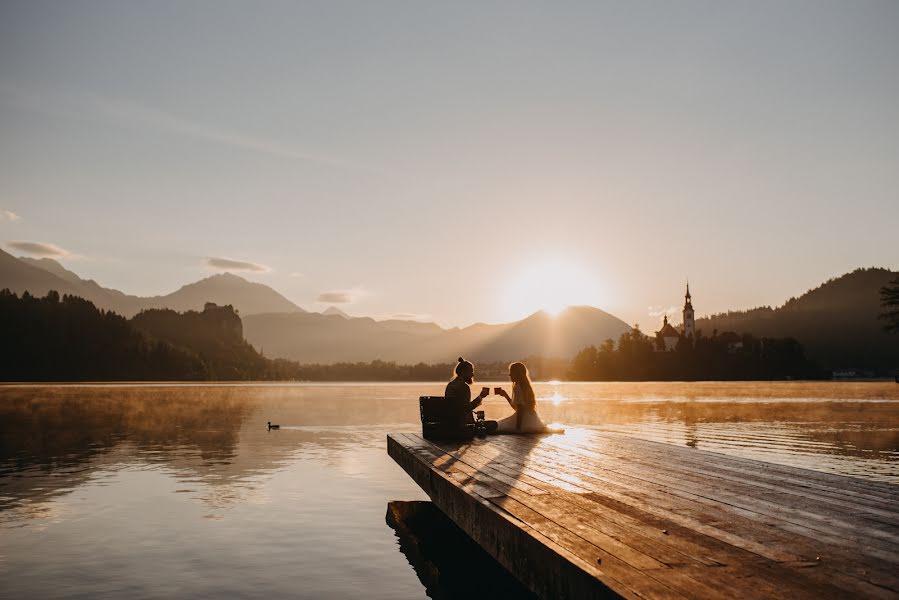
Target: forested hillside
x=837, y=322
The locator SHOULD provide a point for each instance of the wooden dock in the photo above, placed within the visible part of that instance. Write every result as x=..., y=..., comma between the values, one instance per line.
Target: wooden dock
x=592, y=515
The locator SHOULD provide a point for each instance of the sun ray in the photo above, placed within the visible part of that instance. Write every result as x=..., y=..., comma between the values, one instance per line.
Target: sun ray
x=550, y=285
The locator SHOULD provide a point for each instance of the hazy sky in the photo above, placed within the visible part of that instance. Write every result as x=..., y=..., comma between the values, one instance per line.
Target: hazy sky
x=462, y=160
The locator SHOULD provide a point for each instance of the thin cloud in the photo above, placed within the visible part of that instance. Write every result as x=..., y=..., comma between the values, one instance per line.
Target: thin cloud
x=40, y=249
x=235, y=265
x=342, y=296
x=68, y=103
x=295, y=274
x=336, y=298
x=8, y=215
x=660, y=311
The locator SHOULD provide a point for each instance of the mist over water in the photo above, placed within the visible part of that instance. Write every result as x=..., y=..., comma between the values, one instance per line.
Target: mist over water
x=180, y=490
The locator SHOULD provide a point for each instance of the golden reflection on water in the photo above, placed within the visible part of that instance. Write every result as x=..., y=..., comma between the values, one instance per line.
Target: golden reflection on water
x=188, y=480
x=213, y=440
x=556, y=398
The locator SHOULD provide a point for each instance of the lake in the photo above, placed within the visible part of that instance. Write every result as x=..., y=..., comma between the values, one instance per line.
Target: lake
x=161, y=491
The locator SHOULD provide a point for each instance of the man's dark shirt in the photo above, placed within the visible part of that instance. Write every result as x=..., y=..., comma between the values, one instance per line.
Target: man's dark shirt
x=460, y=404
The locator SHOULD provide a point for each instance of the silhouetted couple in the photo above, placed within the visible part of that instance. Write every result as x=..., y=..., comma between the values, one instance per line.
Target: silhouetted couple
x=523, y=401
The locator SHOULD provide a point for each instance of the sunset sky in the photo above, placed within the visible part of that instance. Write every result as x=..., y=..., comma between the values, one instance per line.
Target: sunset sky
x=460, y=161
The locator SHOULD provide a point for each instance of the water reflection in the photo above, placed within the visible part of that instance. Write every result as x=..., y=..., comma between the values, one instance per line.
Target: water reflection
x=843, y=428
x=211, y=440
x=186, y=484
x=52, y=439
x=447, y=562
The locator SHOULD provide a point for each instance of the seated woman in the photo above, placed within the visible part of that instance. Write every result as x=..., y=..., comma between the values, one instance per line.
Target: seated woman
x=523, y=400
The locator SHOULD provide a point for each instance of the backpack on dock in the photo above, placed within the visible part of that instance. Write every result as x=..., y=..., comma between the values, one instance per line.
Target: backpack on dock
x=439, y=423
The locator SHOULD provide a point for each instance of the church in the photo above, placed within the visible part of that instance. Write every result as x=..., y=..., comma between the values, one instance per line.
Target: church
x=668, y=337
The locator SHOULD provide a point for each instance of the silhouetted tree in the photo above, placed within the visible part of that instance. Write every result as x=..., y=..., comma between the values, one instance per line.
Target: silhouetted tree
x=889, y=301
x=718, y=358
x=69, y=339
x=837, y=322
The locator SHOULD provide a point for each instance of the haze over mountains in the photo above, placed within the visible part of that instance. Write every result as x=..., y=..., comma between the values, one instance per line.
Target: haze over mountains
x=836, y=322
x=38, y=276
x=333, y=310
x=281, y=329
x=310, y=337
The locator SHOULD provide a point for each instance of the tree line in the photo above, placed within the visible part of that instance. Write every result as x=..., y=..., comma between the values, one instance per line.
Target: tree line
x=68, y=339
x=637, y=357
x=889, y=302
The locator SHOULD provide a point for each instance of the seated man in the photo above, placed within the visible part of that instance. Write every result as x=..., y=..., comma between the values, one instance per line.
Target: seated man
x=458, y=396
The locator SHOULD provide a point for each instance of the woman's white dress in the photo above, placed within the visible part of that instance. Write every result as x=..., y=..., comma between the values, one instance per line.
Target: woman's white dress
x=530, y=420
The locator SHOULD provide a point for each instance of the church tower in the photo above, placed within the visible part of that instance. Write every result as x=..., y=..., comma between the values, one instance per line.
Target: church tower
x=689, y=321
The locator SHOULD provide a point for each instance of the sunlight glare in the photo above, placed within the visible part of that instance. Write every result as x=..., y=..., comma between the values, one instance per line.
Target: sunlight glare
x=551, y=285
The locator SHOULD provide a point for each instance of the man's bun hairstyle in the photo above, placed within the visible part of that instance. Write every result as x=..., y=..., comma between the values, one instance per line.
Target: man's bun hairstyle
x=463, y=366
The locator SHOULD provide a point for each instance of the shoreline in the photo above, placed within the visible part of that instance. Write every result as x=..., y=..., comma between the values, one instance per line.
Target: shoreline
x=287, y=383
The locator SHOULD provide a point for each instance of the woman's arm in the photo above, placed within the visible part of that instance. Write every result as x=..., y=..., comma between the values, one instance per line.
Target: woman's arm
x=516, y=403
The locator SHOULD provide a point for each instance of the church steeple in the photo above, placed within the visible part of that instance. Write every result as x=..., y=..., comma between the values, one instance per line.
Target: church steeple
x=689, y=321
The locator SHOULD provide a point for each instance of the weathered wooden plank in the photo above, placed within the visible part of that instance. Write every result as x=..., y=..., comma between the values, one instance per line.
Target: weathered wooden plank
x=625, y=575
x=654, y=501
x=765, y=480
x=768, y=543
x=648, y=539
x=822, y=512
x=822, y=518
x=662, y=525
x=843, y=560
x=545, y=567
x=868, y=488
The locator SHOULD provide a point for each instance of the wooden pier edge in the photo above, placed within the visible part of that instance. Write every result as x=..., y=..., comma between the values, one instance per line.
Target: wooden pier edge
x=547, y=569
x=596, y=515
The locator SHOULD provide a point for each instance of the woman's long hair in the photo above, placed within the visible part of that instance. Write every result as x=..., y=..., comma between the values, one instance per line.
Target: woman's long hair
x=519, y=374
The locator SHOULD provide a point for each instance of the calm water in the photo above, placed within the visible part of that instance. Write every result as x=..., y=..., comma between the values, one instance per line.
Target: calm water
x=175, y=491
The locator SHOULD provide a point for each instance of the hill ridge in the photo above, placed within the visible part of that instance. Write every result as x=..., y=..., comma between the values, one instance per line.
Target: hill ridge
x=836, y=321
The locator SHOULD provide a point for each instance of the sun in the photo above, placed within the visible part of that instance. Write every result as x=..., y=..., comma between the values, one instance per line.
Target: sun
x=551, y=285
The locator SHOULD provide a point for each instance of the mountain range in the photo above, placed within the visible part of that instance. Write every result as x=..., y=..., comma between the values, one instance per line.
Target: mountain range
x=311, y=337
x=38, y=276
x=836, y=322
x=281, y=329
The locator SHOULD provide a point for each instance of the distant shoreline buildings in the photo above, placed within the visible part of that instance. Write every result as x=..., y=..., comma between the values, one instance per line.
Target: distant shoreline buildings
x=668, y=337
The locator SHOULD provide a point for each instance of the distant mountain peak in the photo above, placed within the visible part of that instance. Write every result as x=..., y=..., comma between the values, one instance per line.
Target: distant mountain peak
x=314, y=337
x=40, y=275
x=222, y=278
x=52, y=266
x=248, y=297
x=333, y=310
x=227, y=276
